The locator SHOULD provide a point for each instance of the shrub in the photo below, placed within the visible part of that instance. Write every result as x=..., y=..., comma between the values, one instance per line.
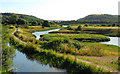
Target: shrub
x=79, y=28
x=86, y=25
x=69, y=27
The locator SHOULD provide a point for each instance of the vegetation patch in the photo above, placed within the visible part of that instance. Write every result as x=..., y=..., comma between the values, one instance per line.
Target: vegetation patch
x=79, y=37
x=107, y=31
x=56, y=59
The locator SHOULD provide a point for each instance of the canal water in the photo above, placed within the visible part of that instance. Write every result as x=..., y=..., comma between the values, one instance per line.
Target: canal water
x=23, y=63
x=113, y=41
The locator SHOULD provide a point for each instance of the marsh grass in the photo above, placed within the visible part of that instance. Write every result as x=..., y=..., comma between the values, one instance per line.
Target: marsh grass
x=55, y=59
x=108, y=31
x=110, y=62
x=60, y=60
x=39, y=28
x=56, y=42
x=79, y=37
x=25, y=36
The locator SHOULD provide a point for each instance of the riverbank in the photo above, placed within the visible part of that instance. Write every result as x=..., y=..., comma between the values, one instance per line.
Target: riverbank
x=107, y=31
x=32, y=49
x=110, y=51
x=32, y=29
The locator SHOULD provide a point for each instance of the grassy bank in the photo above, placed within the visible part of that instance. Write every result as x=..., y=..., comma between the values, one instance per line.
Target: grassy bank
x=39, y=28
x=108, y=31
x=55, y=59
x=79, y=37
x=65, y=45
x=110, y=62
x=25, y=36
x=3, y=69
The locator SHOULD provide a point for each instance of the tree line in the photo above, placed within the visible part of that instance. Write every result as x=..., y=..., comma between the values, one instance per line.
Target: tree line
x=108, y=20
x=21, y=19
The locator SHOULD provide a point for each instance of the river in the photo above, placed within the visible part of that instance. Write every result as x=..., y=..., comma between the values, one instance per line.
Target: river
x=37, y=34
x=25, y=64
x=113, y=41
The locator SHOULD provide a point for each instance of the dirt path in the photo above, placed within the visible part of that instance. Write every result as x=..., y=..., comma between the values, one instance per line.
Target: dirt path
x=16, y=37
x=104, y=67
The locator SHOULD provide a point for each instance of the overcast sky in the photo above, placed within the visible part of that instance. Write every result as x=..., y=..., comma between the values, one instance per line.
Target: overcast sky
x=60, y=9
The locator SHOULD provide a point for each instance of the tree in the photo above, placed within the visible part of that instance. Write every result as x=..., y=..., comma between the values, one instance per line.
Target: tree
x=79, y=28
x=22, y=21
x=34, y=23
x=39, y=23
x=86, y=25
x=5, y=19
x=46, y=24
x=113, y=25
x=12, y=19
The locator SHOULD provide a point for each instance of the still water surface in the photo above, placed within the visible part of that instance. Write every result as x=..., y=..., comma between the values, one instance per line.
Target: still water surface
x=113, y=41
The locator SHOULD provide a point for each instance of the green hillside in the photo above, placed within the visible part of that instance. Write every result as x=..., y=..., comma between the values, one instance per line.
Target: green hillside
x=94, y=19
x=99, y=18
x=21, y=19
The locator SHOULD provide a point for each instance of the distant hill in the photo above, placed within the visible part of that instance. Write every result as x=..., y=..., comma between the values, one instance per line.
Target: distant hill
x=94, y=19
x=12, y=18
x=99, y=18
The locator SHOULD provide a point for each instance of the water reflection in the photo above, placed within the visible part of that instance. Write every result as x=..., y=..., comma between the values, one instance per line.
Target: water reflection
x=64, y=25
x=27, y=63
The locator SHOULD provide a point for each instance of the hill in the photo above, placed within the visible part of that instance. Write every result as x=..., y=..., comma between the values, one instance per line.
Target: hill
x=94, y=19
x=21, y=19
x=99, y=18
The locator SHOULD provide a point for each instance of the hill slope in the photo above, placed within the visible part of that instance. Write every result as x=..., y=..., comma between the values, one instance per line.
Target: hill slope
x=12, y=18
x=99, y=18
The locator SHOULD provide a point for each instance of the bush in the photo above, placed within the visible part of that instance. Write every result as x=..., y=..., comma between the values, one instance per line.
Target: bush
x=86, y=25
x=54, y=43
x=79, y=28
x=69, y=27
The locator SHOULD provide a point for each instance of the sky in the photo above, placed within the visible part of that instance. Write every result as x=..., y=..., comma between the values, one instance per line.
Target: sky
x=60, y=9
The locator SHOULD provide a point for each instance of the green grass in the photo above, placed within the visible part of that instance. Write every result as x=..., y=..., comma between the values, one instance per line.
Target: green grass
x=63, y=44
x=57, y=42
x=39, y=28
x=110, y=63
x=55, y=59
x=79, y=37
x=108, y=31
x=98, y=48
x=3, y=69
